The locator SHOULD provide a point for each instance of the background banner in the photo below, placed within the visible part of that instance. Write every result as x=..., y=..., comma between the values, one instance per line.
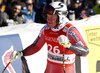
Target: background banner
x=8, y=43
x=92, y=36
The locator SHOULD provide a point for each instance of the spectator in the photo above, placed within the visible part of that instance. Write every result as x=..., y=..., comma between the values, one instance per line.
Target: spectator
x=11, y=16
x=1, y=1
x=41, y=16
x=78, y=9
x=29, y=16
x=8, y=5
x=91, y=3
x=2, y=6
x=24, y=7
x=97, y=7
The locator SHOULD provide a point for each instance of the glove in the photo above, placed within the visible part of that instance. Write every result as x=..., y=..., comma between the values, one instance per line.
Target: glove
x=16, y=55
x=63, y=40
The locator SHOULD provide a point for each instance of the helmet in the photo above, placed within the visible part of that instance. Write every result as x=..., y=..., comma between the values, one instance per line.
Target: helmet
x=77, y=1
x=57, y=8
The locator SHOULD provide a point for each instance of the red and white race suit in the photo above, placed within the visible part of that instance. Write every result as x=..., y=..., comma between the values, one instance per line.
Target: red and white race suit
x=55, y=52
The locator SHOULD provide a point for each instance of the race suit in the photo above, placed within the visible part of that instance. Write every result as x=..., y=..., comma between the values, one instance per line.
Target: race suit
x=55, y=52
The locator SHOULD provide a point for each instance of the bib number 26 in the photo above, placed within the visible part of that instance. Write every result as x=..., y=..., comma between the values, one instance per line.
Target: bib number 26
x=53, y=49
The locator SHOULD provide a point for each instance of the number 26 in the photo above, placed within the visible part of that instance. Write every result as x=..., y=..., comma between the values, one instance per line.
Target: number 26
x=55, y=50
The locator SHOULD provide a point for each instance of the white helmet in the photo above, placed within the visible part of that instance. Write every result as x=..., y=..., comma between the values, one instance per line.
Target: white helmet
x=57, y=8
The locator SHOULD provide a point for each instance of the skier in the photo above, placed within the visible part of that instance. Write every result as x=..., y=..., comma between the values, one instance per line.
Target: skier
x=63, y=41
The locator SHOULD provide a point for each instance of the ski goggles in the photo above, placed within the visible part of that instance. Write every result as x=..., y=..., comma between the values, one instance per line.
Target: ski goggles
x=49, y=9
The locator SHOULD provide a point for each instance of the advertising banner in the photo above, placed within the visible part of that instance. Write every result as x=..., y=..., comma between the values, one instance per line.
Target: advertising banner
x=92, y=37
x=9, y=43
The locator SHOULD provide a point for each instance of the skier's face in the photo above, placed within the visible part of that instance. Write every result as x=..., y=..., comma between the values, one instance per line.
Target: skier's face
x=51, y=20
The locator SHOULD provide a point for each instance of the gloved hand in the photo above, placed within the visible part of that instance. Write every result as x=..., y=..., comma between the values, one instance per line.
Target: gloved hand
x=63, y=40
x=16, y=55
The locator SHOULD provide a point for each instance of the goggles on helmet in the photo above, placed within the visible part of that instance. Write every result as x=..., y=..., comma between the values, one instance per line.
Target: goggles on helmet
x=49, y=9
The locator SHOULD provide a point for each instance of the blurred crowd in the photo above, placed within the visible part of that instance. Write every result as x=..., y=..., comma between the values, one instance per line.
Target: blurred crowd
x=13, y=12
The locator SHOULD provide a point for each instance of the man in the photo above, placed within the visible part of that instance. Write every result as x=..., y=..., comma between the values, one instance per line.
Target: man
x=41, y=16
x=29, y=16
x=63, y=41
x=92, y=3
x=2, y=6
x=79, y=9
x=11, y=17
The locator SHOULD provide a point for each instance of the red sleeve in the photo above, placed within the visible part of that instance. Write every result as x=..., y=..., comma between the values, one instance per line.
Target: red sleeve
x=75, y=37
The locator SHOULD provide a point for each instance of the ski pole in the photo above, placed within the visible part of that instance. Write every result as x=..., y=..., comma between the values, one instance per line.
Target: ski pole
x=63, y=58
x=6, y=66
